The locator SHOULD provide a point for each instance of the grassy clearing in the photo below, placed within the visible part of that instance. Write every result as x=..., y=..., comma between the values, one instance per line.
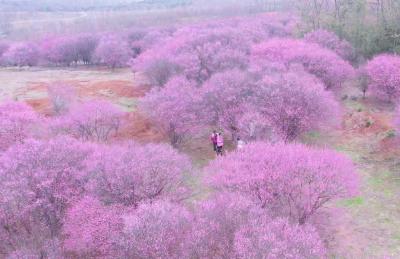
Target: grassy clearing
x=374, y=215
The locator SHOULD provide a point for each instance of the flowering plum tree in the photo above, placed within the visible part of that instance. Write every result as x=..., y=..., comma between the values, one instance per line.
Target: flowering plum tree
x=38, y=181
x=69, y=49
x=61, y=96
x=159, y=70
x=22, y=54
x=91, y=229
x=93, y=120
x=86, y=45
x=384, y=76
x=113, y=51
x=3, y=48
x=156, y=230
x=321, y=62
x=291, y=180
x=197, y=53
x=176, y=109
x=225, y=98
x=59, y=50
x=254, y=126
x=142, y=40
x=264, y=26
x=266, y=238
x=330, y=40
x=217, y=221
x=204, y=53
x=294, y=103
x=50, y=248
x=132, y=174
x=16, y=122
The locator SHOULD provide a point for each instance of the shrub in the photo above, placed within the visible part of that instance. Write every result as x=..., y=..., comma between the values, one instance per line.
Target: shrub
x=61, y=97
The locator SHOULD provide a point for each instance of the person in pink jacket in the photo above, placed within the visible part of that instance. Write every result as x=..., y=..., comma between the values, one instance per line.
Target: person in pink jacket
x=214, y=140
x=220, y=144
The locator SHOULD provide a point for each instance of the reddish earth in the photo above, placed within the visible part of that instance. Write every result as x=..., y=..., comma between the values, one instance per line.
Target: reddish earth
x=42, y=106
x=33, y=90
x=138, y=128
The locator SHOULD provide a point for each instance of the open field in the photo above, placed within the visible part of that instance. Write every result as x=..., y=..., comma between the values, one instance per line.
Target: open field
x=367, y=226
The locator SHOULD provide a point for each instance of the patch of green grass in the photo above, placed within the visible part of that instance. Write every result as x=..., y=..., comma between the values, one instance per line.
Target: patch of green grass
x=311, y=137
x=396, y=236
x=376, y=182
x=354, y=105
x=355, y=156
x=390, y=134
x=353, y=202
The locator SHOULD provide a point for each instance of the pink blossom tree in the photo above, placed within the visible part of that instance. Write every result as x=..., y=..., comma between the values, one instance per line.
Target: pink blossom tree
x=93, y=120
x=61, y=96
x=330, y=40
x=264, y=26
x=176, y=109
x=39, y=180
x=22, y=54
x=86, y=45
x=156, y=230
x=384, y=76
x=91, y=229
x=141, y=40
x=50, y=249
x=59, y=50
x=266, y=238
x=216, y=222
x=225, y=98
x=321, y=62
x=294, y=103
x=253, y=126
x=159, y=70
x=112, y=51
x=133, y=174
x=25, y=253
x=16, y=122
x=67, y=50
x=3, y=48
x=196, y=53
x=290, y=180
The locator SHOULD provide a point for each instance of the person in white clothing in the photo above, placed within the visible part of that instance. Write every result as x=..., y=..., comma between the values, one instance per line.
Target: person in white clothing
x=240, y=143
